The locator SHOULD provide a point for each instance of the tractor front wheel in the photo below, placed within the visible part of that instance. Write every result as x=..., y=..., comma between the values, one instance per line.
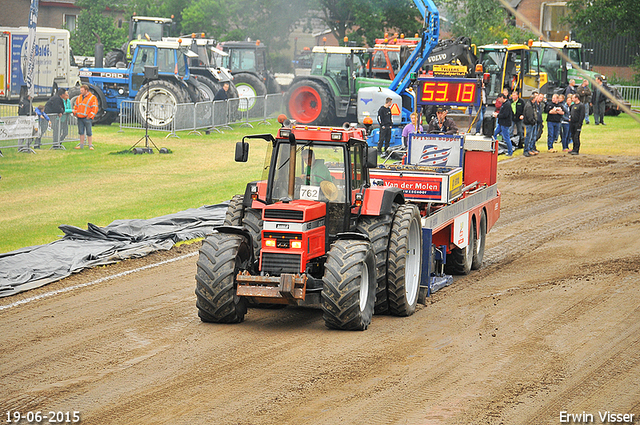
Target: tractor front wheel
x=349, y=290
x=222, y=256
x=405, y=261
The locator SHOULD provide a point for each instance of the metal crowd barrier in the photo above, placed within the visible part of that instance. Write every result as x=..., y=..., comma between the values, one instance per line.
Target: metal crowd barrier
x=27, y=133
x=201, y=116
x=631, y=94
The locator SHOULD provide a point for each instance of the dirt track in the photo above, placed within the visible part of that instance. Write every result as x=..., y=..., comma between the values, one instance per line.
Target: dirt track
x=551, y=323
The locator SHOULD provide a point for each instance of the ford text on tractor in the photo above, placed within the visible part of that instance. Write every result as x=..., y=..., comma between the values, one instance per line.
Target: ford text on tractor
x=328, y=228
x=173, y=84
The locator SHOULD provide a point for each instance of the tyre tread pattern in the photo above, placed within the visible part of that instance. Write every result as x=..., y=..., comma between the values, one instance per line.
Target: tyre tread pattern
x=378, y=229
x=217, y=266
x=342, y=279
x=235, y=211
x=398, y=247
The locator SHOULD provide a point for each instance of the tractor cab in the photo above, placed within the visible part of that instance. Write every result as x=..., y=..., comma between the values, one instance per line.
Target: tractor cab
x=321, y=168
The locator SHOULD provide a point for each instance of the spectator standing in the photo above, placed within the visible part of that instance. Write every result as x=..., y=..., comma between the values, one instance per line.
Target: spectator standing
x=570, y=90
x=498, y=105
x=55, y=109
x=43, y=124
x=482, y=109
x=554, y=118
x=577, y=116
x=529, y=121
x=517, y=105
x=222, y=93
x=441, y=124
x=564, y=123
x=85, y=109
x=585, y=97
x=68, y=110
x=598, y=101
x=540, y=105
x=384, y=119
x=505, y=120
x=412, y=127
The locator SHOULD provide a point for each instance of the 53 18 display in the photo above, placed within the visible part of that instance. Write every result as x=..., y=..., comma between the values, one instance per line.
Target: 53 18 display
x=448, y=91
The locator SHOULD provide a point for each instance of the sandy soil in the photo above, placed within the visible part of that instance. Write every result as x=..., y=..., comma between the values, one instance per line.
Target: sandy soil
x=550, y=324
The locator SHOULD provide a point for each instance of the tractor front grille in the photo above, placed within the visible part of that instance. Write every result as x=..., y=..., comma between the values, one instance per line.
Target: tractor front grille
x=284, y=214
x=276, y=264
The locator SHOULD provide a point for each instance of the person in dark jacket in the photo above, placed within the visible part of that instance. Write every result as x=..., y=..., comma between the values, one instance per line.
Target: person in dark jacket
x=55, y=109
x=598, y=101
x=441, y=124
x=517, y=104
x=577, y=116
x=385, y=121
x=554, y=118
x=585, y=97
x=505, y=120
x=565, y=137
x=222, y=93
x=529, y=121
x=25, y=107
x=540, y=104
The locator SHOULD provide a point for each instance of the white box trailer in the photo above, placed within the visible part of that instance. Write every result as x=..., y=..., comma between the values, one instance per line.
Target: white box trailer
x=54, y=65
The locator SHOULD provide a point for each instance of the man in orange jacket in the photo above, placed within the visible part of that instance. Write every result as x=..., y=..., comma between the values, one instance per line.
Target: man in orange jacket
x=85, y=109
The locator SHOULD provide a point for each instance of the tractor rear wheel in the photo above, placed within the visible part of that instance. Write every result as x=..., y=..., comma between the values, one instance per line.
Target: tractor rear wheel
x=480, y=240
x=235, y=211
x=405, y=261
x=309, y=102
x=164, y=98
x=461, y=259
x=377, y=229
x=349, y=290
x=113, y=57
x=221, y=257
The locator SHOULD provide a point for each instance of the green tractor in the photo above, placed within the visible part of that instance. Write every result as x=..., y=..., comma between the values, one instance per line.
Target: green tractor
x=329, y=94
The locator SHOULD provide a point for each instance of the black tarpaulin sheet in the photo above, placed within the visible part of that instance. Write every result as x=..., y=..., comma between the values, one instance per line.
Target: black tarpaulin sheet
x=36, y=266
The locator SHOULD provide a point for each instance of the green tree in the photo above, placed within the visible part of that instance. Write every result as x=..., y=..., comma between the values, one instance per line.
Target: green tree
x=96, y=18
x=603, y=20
x=370, y=18
x=483, y=21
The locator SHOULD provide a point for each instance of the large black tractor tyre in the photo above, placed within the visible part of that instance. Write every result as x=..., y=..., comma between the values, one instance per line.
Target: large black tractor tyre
x=113, y=57
x=235, y=211
x=309, y=102
x=165, y=97
x=460, y=260
x=405, y=261
x=251, y=91
x=348, y=293
x=252, y=221
x=377, y=229
x=273, y=86
x=221, y=257
x=480, y=240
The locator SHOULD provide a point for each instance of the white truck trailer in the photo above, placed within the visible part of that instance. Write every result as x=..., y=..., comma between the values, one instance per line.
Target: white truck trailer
x=54, y=64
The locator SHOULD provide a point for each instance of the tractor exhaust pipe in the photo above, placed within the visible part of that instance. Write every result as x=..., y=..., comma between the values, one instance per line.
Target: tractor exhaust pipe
x=292, y=165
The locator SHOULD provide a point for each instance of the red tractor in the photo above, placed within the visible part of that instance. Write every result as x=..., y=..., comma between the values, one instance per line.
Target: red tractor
x=314, y=232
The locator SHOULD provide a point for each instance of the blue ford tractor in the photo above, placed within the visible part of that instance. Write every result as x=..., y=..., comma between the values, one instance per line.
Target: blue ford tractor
x=158, y=72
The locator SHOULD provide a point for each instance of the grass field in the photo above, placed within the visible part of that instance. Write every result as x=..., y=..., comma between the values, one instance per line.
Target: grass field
x=42, y=191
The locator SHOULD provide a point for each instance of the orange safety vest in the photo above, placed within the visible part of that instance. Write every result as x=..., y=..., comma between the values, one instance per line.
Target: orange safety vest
x=86, y=107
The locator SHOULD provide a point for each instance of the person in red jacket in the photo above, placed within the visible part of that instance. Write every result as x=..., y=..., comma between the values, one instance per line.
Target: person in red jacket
x=85, y=109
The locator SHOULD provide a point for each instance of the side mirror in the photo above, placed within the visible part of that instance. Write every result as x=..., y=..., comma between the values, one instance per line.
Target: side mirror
x=372, y=158
x=242, y=151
